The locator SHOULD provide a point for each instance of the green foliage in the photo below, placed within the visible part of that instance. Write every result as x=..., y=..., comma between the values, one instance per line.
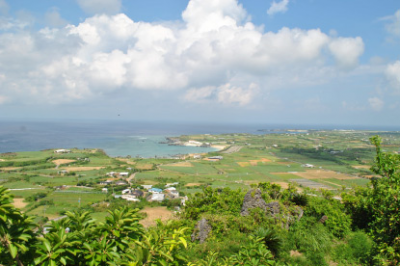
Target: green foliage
x=36, y=197
x=357, y=250
x=309, y=235
x=383, y=201
x=270, y=238
x=338, y=223
x=225, y=201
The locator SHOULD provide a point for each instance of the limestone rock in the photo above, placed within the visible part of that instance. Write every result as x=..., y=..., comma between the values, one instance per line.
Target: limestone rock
x=252, y=200
x=201, y=231
x=273, y=208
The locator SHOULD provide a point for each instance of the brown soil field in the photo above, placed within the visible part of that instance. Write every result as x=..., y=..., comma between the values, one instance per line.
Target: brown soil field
x=83, y=168
x=10, y=168
x=63, y=161
x=211, y=160
x=156, y=213
x=321, y=174
x=362, y=166
x=2, y=160
x=243, y=164
x=19, y=203
x=181, y=164
x=193, y=184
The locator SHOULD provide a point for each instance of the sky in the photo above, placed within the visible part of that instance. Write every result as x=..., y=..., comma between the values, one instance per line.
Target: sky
x=235, y=61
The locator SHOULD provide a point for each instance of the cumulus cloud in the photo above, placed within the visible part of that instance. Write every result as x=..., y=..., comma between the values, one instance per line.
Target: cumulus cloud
x=213, y=54
x=347, y=51
x=376, y=103
x=278, y=7
x=100, y=6
x=393, y=74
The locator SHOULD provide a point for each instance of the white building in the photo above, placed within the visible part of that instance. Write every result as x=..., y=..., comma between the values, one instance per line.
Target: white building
x=130, y=198
x=62, y=151
x=123, y=174
x=157, y=197
x=104, y=190
x=126, y=191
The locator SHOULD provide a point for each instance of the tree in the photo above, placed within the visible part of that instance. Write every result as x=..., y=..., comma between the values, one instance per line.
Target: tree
x=384, y=202
x=16, y=232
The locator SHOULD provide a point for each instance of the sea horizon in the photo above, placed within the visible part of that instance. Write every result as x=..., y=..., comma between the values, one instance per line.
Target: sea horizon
x=133, y=138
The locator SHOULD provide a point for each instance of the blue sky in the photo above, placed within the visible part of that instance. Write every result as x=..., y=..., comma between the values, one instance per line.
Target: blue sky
x=284, y=61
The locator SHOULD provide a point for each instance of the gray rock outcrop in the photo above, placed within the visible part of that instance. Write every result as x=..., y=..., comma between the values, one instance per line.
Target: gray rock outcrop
x=201, y=231
x=273, y=208
x=253, y=199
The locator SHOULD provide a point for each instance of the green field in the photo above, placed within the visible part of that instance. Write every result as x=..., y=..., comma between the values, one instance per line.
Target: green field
x=261, y=158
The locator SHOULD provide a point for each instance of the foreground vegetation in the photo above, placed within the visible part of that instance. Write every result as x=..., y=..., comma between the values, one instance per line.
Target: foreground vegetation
x=311, y=227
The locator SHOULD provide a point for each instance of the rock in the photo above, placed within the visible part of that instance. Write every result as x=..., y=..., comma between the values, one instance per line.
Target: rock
x=323, y=219
x=273, y=208
x=252, y=200
x=201, y=231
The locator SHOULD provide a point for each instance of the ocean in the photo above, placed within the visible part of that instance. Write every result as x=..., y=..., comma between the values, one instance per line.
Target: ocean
x=120, y=138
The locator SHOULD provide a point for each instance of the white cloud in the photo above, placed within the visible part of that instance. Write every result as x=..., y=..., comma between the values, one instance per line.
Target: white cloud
x=278, y=7
x=347, y=51
x=393, y=74
x=393, y=27
x=54, y=19
x=376, y=103
x=212, y=55
x=100, y=6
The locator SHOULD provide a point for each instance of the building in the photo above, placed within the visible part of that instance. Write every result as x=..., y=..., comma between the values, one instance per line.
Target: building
x=104, y=190
x=121, y=183
x=172, y=184
x=173, y=193
x=62, y=151
x=123, y=174
x=155, y=190
x=137, y=193
x=215, y=158
x=147, y=186
x=130, y=198
x=126, y=191
x=105, y=182
x=157, y=197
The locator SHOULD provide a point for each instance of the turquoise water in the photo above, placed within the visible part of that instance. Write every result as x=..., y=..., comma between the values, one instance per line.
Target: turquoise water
x=148, y=146
x=121, y=138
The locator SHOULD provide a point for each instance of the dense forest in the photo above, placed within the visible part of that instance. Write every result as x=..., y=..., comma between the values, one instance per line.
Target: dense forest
x=266, y=225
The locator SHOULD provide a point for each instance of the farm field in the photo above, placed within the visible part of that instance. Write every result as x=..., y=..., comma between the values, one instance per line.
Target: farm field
x=48, y=184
